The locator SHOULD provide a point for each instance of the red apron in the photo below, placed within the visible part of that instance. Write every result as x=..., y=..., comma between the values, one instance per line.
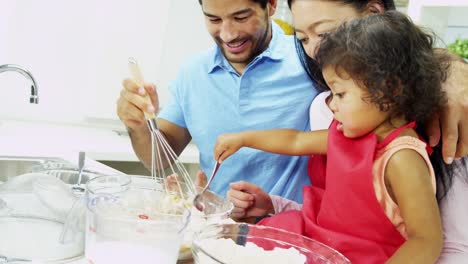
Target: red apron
x=346, y=214
x=316, y=169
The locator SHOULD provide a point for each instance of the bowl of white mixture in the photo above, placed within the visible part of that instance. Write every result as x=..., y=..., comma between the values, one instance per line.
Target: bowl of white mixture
x=217, y=209
x=129, y=228
x=246, y=244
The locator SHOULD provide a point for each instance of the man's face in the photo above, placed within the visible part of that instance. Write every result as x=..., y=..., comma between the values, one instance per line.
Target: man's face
x=241, y=28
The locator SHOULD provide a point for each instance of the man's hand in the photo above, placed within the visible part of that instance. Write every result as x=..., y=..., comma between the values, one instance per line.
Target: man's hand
x=249, y=200
x=452, y=122
x=132, y=104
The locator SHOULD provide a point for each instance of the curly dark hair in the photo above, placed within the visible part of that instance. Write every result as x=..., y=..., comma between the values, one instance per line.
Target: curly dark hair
x=263, y=3
x=445, y=172
x=393, y=60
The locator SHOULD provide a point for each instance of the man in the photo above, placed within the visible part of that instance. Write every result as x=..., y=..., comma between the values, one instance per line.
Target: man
x=253, y=79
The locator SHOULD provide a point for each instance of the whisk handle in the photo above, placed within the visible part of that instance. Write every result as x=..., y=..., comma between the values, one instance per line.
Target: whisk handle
x=137, y=76
x=152, y=124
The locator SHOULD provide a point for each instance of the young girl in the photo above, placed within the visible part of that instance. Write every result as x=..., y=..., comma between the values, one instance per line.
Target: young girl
x=378, y=198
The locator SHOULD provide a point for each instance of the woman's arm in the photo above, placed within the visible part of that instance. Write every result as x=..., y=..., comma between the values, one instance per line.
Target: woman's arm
x=410, y=185
x=451, y=125
x=280, y=141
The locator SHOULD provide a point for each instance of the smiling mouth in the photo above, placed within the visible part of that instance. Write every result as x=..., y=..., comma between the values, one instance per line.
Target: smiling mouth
x=236, y=47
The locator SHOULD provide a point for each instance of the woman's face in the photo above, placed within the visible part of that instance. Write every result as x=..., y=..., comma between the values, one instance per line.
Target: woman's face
x=313, y=18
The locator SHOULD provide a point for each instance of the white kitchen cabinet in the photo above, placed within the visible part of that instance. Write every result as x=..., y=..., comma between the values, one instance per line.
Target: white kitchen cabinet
x=447, y=18
x=77, y=51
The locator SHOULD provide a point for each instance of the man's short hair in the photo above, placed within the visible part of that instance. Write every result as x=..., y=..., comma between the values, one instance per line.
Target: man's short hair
x=263, y=3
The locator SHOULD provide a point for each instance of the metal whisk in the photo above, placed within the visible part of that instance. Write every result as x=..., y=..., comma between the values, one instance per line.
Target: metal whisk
x=164, y=161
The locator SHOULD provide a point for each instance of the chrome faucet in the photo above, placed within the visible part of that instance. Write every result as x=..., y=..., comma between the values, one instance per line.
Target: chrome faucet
x=34, y=98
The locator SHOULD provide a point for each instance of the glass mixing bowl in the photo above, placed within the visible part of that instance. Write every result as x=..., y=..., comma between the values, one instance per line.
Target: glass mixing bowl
x=128, y=229
x=246, y=243
x=26, y=239
x=67, y=173
x=217, y=209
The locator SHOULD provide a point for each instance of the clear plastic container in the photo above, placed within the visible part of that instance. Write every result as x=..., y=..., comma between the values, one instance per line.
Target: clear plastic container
x=217, y=209
x=75, y=222
x=127, y=229
x=57, y=196
x=148, y=194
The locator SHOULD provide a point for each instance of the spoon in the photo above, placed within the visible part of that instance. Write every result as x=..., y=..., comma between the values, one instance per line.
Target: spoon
x=81, y=161
x=200, y=205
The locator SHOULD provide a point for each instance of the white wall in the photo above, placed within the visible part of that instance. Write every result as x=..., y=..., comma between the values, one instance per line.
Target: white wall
x=77, y=51
x=447, y=22
x=447, y=18
x=185, y=35
x=457, y=25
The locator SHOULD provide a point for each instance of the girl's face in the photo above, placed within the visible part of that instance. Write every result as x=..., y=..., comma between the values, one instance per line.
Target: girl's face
x=356, y=115
x=313, y=18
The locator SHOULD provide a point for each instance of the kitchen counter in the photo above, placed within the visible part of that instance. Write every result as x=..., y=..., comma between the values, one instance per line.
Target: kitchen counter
x=33, y=138
x=58, y=140
x=83, y=261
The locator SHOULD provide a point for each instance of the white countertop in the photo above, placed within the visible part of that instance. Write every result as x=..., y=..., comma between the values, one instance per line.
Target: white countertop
x=43, y=139
x=58, y=140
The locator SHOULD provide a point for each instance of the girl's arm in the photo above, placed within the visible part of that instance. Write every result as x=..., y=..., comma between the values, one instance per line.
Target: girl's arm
x=281, y=204
x=408, y=176
x=280, y=141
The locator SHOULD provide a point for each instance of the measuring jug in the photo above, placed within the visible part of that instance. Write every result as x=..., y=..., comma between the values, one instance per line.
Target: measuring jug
x=130, y=228
x=75, y=222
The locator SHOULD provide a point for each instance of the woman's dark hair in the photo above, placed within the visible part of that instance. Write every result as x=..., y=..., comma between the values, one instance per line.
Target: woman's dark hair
x=395, y=62
x=308, y=63
x=358, y=4
x=444, y=172
x=263, y=3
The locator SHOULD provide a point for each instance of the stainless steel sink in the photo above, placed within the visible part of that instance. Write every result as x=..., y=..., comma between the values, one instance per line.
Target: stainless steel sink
x=13, y=166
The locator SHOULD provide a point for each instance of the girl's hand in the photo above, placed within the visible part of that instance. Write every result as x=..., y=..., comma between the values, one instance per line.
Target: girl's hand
x=452, y=124
x=226, y=145
x=249, y=200
x=200, y=179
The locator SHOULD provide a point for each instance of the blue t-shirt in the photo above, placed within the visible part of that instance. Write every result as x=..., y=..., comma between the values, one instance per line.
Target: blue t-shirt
x=209, y=98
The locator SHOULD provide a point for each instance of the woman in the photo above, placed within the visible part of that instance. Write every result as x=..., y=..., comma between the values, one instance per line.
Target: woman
x=313, y=18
